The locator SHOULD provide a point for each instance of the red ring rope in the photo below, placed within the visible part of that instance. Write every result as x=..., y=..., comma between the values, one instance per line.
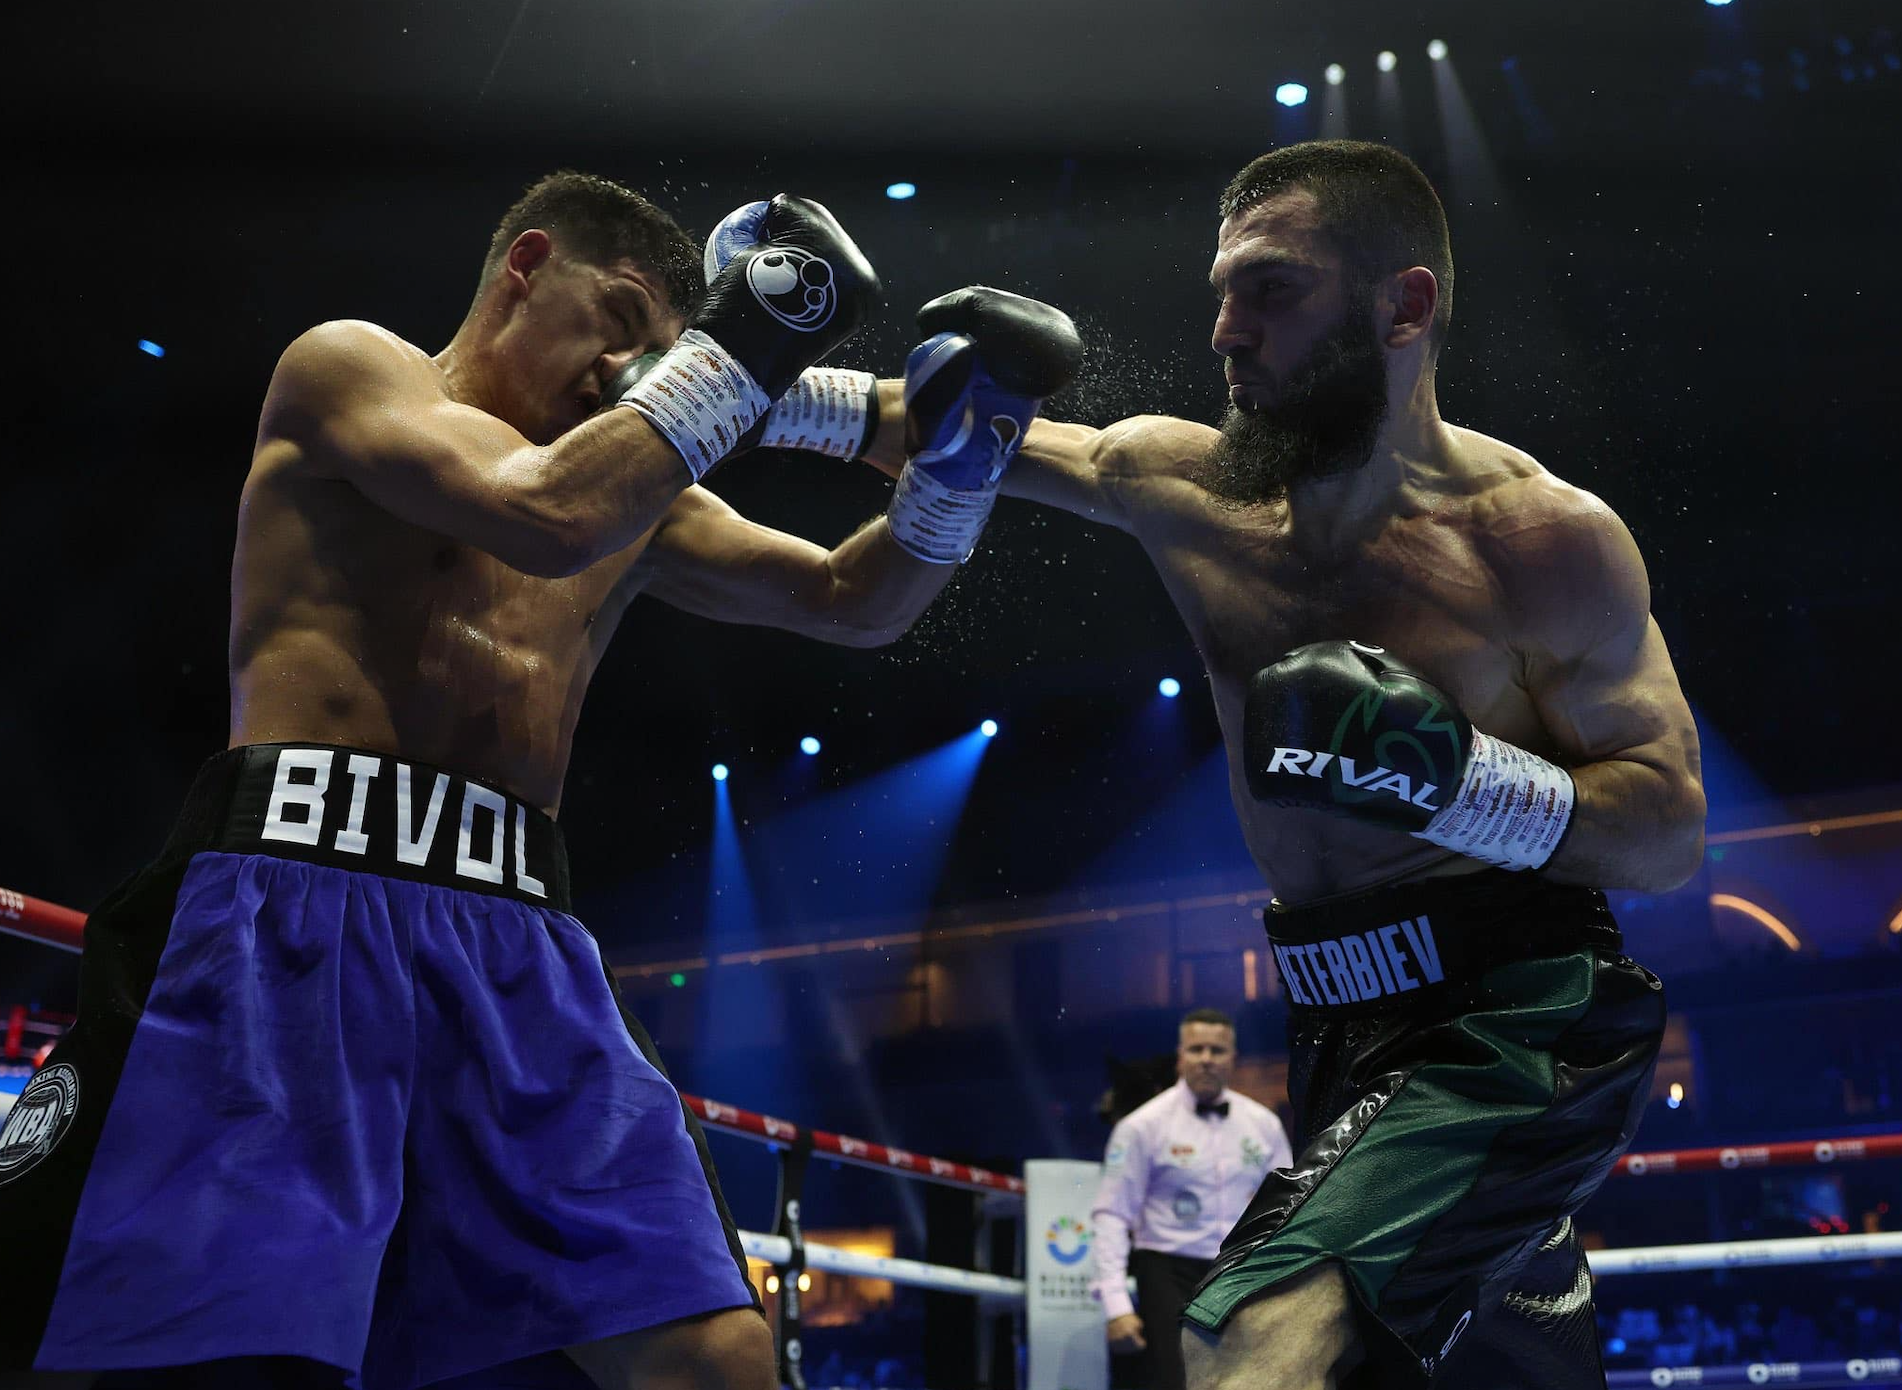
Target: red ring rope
x=38, y=920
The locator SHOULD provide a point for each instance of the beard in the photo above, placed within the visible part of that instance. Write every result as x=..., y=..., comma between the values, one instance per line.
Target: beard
x=1322, y=422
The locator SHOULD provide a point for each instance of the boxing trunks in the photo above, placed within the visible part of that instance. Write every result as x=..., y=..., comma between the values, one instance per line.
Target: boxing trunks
x=1469, y=1056
x=349, y=1084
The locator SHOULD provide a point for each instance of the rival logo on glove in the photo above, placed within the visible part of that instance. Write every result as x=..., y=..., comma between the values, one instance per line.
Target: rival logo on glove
x=794, y=286
x=1375, y=779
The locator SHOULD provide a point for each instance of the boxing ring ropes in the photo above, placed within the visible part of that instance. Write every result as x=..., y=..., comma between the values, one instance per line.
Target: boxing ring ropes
x=790, y=1255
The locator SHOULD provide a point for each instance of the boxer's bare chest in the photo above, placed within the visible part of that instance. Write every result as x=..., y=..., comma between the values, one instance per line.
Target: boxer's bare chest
x=352, y=627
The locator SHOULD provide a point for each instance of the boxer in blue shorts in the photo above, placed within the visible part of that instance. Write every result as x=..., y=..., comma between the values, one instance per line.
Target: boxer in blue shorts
x=351, y=1098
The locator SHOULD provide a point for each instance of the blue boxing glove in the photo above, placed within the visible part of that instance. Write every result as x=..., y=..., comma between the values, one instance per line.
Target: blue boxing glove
x=971, y=390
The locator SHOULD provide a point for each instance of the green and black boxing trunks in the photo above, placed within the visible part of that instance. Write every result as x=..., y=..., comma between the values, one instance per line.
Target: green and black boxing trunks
x=1469, y=1057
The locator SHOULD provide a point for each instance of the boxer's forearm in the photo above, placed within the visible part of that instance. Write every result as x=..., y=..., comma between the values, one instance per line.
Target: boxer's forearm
x=1633, y=826
x=878, y=588
x=596, y=490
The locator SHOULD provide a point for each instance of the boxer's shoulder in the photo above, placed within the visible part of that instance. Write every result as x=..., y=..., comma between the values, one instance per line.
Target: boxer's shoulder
x=348, y=352
x=1525, y=520
x=1561, y=559
x=1155, y=446
x=341, y=366
x=1152, y=463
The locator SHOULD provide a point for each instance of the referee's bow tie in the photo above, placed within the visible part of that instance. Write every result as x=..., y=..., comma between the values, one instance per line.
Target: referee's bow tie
x=1218, y=1108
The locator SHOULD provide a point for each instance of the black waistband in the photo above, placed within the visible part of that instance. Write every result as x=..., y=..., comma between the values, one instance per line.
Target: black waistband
x=1411, y=945
x=376, y=814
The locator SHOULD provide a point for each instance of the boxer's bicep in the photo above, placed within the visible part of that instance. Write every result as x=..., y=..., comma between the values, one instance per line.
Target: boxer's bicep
x=1096, y=473
x=372, y=413
x=1063, y=465
x=1602, y=684
x=1597, y=666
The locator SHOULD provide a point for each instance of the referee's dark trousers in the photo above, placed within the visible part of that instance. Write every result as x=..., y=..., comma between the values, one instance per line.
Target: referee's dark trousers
x=1164, y=1284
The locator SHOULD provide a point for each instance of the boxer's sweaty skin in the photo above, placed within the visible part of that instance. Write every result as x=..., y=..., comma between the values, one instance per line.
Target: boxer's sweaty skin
x=1522, y=597
x=432, y=553
x=354, y=625
x=1499, y=583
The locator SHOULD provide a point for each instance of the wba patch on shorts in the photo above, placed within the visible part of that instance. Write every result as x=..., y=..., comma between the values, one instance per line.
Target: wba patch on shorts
x=39, y=1119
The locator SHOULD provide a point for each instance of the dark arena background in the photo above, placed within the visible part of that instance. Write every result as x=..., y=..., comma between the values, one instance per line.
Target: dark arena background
x=1675, y=224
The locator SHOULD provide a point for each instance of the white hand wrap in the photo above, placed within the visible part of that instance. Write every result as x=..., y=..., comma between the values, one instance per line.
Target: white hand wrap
x=1511, y=808
x=700, y=398
x=934, y=522
x=826, y=412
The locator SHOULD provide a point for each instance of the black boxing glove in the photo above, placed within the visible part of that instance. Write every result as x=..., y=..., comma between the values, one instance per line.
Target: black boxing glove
x=1029, y=348
x=971, y=390
x=785, y=286
x=1345, y=728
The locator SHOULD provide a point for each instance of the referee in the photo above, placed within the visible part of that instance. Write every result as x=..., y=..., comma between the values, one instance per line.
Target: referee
x=1179, y=1171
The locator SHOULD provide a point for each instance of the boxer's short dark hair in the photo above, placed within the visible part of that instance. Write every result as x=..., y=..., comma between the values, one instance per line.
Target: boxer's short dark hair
x=1215, y=1016
x=601, y=222
x=1374, y=202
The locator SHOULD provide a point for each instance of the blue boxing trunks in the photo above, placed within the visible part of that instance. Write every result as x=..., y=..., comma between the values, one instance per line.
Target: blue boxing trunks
x=350, y=1085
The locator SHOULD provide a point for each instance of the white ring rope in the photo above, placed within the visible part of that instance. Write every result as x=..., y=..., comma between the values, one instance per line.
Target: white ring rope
x=777, y=1250
x=1745, y=1254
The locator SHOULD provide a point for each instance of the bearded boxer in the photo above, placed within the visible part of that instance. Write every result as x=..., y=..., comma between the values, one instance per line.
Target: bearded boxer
x=349, y=1086
x=1450, y=721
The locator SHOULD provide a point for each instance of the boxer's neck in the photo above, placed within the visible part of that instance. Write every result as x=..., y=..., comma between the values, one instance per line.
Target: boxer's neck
x=1330, y=517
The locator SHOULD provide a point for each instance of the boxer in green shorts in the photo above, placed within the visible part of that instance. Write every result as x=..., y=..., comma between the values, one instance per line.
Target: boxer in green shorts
x=1451, y=721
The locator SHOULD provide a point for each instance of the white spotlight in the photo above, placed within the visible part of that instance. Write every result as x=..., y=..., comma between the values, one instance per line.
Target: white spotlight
x=1336, y=74
x=1291, y=94
x=1436, y=50
x=1387, y=61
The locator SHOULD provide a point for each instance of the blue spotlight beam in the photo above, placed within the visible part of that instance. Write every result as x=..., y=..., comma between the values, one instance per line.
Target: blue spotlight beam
x=1190, y=830
x=874, y=847
x=730, y=992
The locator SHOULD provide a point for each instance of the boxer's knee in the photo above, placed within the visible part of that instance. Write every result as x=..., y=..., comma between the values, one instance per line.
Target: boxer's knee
x=731, y=1350
x=1300, y=1336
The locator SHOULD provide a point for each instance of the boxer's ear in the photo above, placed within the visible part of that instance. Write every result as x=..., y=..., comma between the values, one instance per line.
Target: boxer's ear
x=528, y=253
x=1415, y=294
